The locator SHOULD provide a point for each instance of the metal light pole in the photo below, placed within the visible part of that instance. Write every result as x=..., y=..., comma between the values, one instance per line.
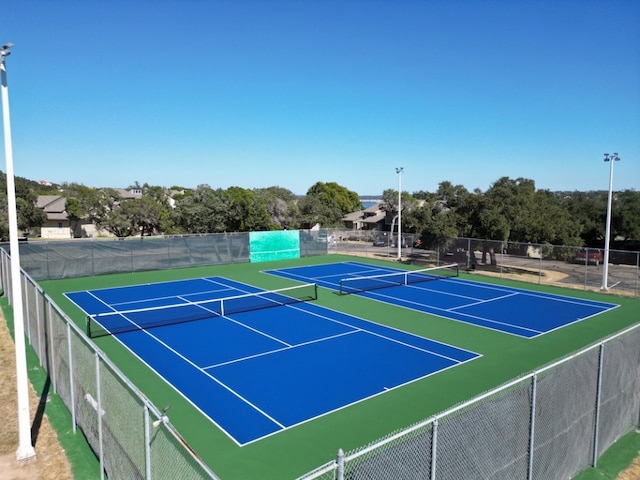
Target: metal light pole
x=399, y=172
x=25, y=447
x=605, y=270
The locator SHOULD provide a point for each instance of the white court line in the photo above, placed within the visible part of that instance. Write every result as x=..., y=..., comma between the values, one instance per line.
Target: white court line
x=395, y=301
x=481, y=302
x=249, y=403
x=219, y=382
x=334, y=320
x=278, y=350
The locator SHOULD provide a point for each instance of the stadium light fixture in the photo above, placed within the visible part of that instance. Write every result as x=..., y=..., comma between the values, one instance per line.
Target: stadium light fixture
x=605, y=267
x=399, y=171
x=25, y=445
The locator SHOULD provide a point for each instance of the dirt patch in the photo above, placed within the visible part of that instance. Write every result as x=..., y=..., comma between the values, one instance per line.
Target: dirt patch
x=531, y=275
x=51, y=462
x=633, y=472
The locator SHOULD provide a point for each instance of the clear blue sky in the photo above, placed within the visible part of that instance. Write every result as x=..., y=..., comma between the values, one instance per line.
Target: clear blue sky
x=287, y=93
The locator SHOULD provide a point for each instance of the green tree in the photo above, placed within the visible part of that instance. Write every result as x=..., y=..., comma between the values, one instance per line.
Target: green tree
x=551, y=222
x=121, y=219
x=147, y=215
x=281, y=204
x=79, y=200
x=246, y=211
x=326, y=204
x=625, y=213
x=163, y=212
x=29, y=215
x=201, y=210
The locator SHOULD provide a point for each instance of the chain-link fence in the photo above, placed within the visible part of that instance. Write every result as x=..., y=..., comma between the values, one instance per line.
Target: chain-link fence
x=569, y=267
x=130, y=436
x=46, y=260
x=550, y=424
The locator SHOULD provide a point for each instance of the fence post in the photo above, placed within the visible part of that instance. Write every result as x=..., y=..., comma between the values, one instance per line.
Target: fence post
x=637, y=274
x=9, y=284
x=71, y=389
x=434, y=448
x=596, y=422
x=27, y=315
x=340, y=465
x=532, y=423
x=540, y=264
x=147, y=443
x=46, y=251
x=99, y=413
x=52, y=364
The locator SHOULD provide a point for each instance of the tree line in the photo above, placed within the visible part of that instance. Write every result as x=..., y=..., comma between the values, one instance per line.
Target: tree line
x=509, y=210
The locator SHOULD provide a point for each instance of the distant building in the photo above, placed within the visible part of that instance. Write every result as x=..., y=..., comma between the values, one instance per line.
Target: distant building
x=132, y=192
x=57, y=224
x=372, y=218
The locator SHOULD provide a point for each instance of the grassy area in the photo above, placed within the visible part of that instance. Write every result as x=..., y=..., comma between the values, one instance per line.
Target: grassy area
x=45, y=408
x=304, y=447
x=617, y=459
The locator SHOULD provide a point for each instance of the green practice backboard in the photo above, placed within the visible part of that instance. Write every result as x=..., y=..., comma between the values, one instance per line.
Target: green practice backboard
x=274, y=245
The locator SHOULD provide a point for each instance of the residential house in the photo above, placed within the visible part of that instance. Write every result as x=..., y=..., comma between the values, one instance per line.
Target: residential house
x=57, y=224
x=372, y=218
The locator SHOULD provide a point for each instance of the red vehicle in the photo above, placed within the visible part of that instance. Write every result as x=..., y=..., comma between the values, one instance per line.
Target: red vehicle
x=589, y=255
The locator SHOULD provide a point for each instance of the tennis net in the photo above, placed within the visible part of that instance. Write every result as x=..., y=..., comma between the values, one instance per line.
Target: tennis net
x=409, y=277
x=111, y=323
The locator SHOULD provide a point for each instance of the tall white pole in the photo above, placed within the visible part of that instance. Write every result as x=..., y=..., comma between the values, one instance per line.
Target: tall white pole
x=399, y=172
x=605, y=267
x=25, y=446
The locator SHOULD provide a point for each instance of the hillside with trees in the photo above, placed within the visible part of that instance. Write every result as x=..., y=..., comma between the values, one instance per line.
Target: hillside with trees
x=509, y=210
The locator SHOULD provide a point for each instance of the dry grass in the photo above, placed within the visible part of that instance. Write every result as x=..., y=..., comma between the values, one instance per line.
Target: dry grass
x=631, y=473
x=51, y=462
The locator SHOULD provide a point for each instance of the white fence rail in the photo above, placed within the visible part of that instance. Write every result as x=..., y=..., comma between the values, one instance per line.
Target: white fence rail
x=131, y=437
x=550, y=424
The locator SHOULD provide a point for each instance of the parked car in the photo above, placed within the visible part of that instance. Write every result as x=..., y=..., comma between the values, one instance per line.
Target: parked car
x=382, y=241
x=589, y=255
x=404, y=243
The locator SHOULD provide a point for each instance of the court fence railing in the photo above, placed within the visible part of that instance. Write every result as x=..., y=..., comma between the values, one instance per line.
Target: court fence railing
x=564, y=266
x=550, y=424
x=85, y=257
x=131, y=437
x=546, y=264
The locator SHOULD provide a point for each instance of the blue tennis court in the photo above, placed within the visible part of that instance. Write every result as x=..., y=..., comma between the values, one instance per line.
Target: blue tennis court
x=510, y=310
x=257, y=372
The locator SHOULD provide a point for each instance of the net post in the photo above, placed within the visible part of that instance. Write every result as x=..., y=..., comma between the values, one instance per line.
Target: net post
x=89, y=326
x=315, y=291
